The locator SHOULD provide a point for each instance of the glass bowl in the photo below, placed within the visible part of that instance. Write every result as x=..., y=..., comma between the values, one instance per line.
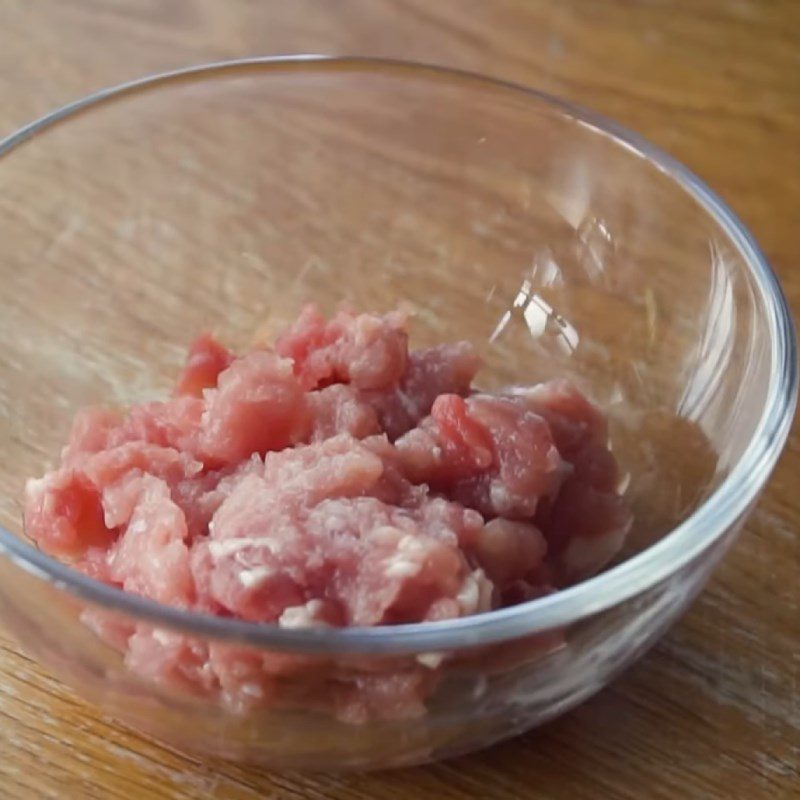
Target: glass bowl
x=228, y=195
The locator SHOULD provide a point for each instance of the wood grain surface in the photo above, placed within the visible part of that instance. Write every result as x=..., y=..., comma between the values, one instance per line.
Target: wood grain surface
x=714, y=710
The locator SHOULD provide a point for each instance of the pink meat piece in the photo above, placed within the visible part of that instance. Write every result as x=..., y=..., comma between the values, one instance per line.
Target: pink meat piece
x=151, y=557
x=264, y=512
x=338, y=480
x=108, y=626
x=394, y=696
x=367, y=350
x=115, y=473
x=171, y=660
x=92, y=430
x=370, y=353
x=586, y=524
x=107, y=467
x=573, y=420
x=391, y=565
x=199, y=496
x=206, y=359
x=93, y=562
x=244, y=675
x=81, y=505
x=585, y=529
x=336, y=468
x=259, y=405
x=249, y=678
x=588, y=521
x=509, y=551
x=488, y=453
x=339, y=409
x=202, y=565
x=443, y=369
x=64, y=514
x=307, y=531
x=174, y=423
x=119, y=499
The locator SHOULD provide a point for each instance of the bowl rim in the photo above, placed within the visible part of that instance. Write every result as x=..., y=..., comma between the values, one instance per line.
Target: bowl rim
x=708, y=524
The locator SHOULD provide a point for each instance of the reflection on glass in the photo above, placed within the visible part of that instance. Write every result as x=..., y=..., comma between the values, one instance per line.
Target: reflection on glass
x=539, y=317
x=711, y=358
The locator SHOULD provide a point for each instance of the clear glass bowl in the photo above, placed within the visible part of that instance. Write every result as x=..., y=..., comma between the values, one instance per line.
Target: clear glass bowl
x=229, y=195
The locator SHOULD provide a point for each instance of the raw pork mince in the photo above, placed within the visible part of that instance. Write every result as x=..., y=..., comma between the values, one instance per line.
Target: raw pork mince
x=336, y=478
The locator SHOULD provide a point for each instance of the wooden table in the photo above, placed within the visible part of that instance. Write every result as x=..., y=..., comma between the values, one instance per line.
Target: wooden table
x=714, y=710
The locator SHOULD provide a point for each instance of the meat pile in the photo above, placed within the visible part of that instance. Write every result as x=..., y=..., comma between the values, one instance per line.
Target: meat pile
x=333, y=479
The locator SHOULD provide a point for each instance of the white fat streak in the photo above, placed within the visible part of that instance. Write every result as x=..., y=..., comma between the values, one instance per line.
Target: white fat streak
x=476, y=593
x=194, y=468
x=485, y=591
x=286, y=366
x=430, y=660
x=250, y=578
x=468, y=595
x=410, y=544
x=227, y=547
x=399, y=567
x=386, y=534
x=301, y=616
x=499, y=495
x=34, y=486
x=162, y=637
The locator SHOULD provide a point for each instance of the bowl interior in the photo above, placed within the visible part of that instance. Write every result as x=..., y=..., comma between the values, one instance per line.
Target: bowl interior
x=227, y=199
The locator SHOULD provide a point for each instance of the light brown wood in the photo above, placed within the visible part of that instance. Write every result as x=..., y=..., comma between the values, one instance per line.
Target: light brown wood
x=714, y=710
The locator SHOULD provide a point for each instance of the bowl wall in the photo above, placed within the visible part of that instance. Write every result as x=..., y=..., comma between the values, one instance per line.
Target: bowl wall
x=477, y=697
x=228, y=198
